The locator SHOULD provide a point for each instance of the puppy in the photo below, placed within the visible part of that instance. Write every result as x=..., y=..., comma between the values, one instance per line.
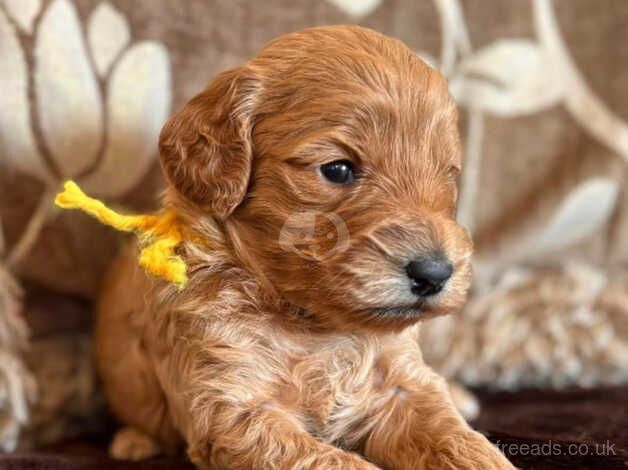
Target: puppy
x=319, y=179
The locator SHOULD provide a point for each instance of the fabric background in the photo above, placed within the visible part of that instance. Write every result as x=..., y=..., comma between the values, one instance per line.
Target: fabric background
x=87, y=84
x=92, y=81
x=546, y=140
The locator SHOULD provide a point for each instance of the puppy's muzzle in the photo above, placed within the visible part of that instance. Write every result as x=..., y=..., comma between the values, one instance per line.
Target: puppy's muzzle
x=428, y=274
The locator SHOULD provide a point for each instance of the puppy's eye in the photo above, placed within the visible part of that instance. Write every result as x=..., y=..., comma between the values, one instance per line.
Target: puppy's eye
x=338, y=171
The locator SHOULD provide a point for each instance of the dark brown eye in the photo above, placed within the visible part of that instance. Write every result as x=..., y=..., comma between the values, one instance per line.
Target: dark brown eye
x=338, y=171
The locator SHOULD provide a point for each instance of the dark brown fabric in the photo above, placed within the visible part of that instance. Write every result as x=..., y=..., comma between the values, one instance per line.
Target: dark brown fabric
x=575, y=421
x=69, y=402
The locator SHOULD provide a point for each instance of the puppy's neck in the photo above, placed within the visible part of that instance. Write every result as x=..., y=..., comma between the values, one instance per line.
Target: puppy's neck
x=219, y=240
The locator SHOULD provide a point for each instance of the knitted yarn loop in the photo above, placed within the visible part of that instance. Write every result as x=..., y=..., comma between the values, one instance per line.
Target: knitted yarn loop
x=158, y=234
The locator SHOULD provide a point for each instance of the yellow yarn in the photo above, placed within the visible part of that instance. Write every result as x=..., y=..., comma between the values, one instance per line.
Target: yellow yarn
x=159, y=235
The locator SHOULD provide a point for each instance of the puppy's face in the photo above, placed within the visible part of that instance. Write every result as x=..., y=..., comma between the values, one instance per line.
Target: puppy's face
x=331, y=159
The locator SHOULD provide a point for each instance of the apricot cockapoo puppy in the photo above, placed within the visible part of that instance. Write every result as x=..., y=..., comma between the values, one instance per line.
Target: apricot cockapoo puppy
x=319, y=179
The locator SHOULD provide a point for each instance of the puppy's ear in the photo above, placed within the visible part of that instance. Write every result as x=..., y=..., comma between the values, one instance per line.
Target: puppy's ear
x=205, y=147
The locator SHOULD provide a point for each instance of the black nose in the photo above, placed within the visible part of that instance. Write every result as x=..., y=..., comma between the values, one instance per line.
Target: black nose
x=429, y=274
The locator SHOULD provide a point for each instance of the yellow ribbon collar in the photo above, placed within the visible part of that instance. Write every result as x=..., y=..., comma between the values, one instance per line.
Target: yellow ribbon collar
x=158, y=235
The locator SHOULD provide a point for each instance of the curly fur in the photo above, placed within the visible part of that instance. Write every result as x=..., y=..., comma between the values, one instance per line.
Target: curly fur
x=304, y=358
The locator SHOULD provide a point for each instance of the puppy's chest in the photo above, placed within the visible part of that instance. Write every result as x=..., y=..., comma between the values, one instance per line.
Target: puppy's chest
x=328, y=384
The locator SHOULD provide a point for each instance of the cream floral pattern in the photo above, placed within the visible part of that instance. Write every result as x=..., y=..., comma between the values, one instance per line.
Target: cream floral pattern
x=93, y=123
x=514, y=77
x=88, y=108
x=98, y=126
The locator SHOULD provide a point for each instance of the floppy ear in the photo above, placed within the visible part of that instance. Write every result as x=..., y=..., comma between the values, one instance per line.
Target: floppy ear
x=205, y=147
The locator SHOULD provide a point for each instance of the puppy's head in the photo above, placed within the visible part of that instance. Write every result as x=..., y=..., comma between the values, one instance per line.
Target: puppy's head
x=330, y=160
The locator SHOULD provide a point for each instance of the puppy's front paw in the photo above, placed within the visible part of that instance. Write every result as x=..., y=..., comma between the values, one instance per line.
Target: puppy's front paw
x=349, y=461
x=131, y=444
x=466, y=402
x=474, y=452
